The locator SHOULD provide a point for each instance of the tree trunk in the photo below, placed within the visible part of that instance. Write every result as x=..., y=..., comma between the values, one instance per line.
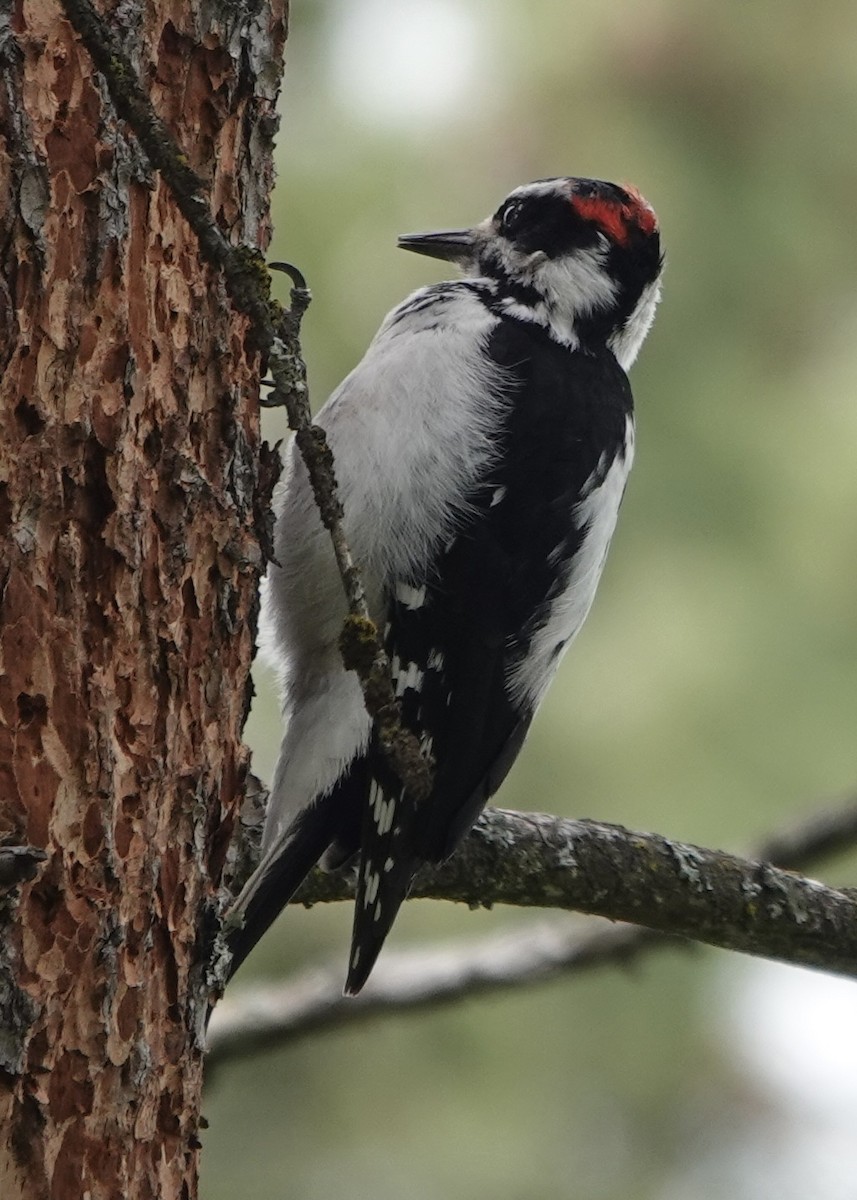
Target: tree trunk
x=129, y=565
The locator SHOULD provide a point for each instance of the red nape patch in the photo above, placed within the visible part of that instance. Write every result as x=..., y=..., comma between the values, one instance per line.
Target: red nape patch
x=615, y=218
x=640, y=211
x=610, y=217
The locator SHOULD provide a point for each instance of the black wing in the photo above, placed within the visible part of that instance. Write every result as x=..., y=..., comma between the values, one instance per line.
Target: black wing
x=453, y=634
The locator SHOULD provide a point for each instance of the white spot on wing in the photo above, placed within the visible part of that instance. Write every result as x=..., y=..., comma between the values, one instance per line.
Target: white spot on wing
x=409, y=676
x=496, y=496
x=386, y=819
x=376, y=800
x=411, y=597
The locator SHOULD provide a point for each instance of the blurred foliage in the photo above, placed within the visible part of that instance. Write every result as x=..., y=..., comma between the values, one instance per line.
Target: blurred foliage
x=712, y=694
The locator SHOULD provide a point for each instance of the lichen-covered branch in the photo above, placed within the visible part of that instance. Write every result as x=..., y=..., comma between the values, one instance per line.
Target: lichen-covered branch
x=256, y=1018
x=535, y=860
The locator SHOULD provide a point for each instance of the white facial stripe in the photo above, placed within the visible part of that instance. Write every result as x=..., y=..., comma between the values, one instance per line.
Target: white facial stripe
x=572, y=286
x=626, y=342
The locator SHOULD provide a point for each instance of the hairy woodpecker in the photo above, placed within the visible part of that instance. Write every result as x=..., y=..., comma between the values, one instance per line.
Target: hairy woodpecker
x=482, y=448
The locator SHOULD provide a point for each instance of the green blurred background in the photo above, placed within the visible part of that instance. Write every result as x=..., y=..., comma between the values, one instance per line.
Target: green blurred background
x=712, y=694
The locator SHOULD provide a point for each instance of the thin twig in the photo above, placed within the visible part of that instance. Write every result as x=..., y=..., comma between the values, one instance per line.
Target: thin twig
x=360, y=644
x=276, y=335
x=831, y=831
x=243, y=269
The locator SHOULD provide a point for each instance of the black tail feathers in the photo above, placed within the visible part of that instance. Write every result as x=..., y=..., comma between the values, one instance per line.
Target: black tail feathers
x=279, y=875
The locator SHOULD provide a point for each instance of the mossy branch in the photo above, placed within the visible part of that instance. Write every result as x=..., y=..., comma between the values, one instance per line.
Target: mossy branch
x=260, y=1017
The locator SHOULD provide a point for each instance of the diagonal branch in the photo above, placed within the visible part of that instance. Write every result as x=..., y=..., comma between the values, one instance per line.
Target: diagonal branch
x=830, y=831
x=259, y=1017
x=276, y=334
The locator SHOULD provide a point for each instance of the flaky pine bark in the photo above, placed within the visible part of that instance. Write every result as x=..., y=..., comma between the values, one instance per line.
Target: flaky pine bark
x=130, y=506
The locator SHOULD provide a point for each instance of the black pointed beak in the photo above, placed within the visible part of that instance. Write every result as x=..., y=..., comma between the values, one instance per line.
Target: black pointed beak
x=454, y=245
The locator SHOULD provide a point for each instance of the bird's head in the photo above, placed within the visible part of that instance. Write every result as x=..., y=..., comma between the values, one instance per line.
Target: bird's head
x=579, y=256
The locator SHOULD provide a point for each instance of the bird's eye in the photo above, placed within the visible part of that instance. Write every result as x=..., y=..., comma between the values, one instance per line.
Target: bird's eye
x=509, y=217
